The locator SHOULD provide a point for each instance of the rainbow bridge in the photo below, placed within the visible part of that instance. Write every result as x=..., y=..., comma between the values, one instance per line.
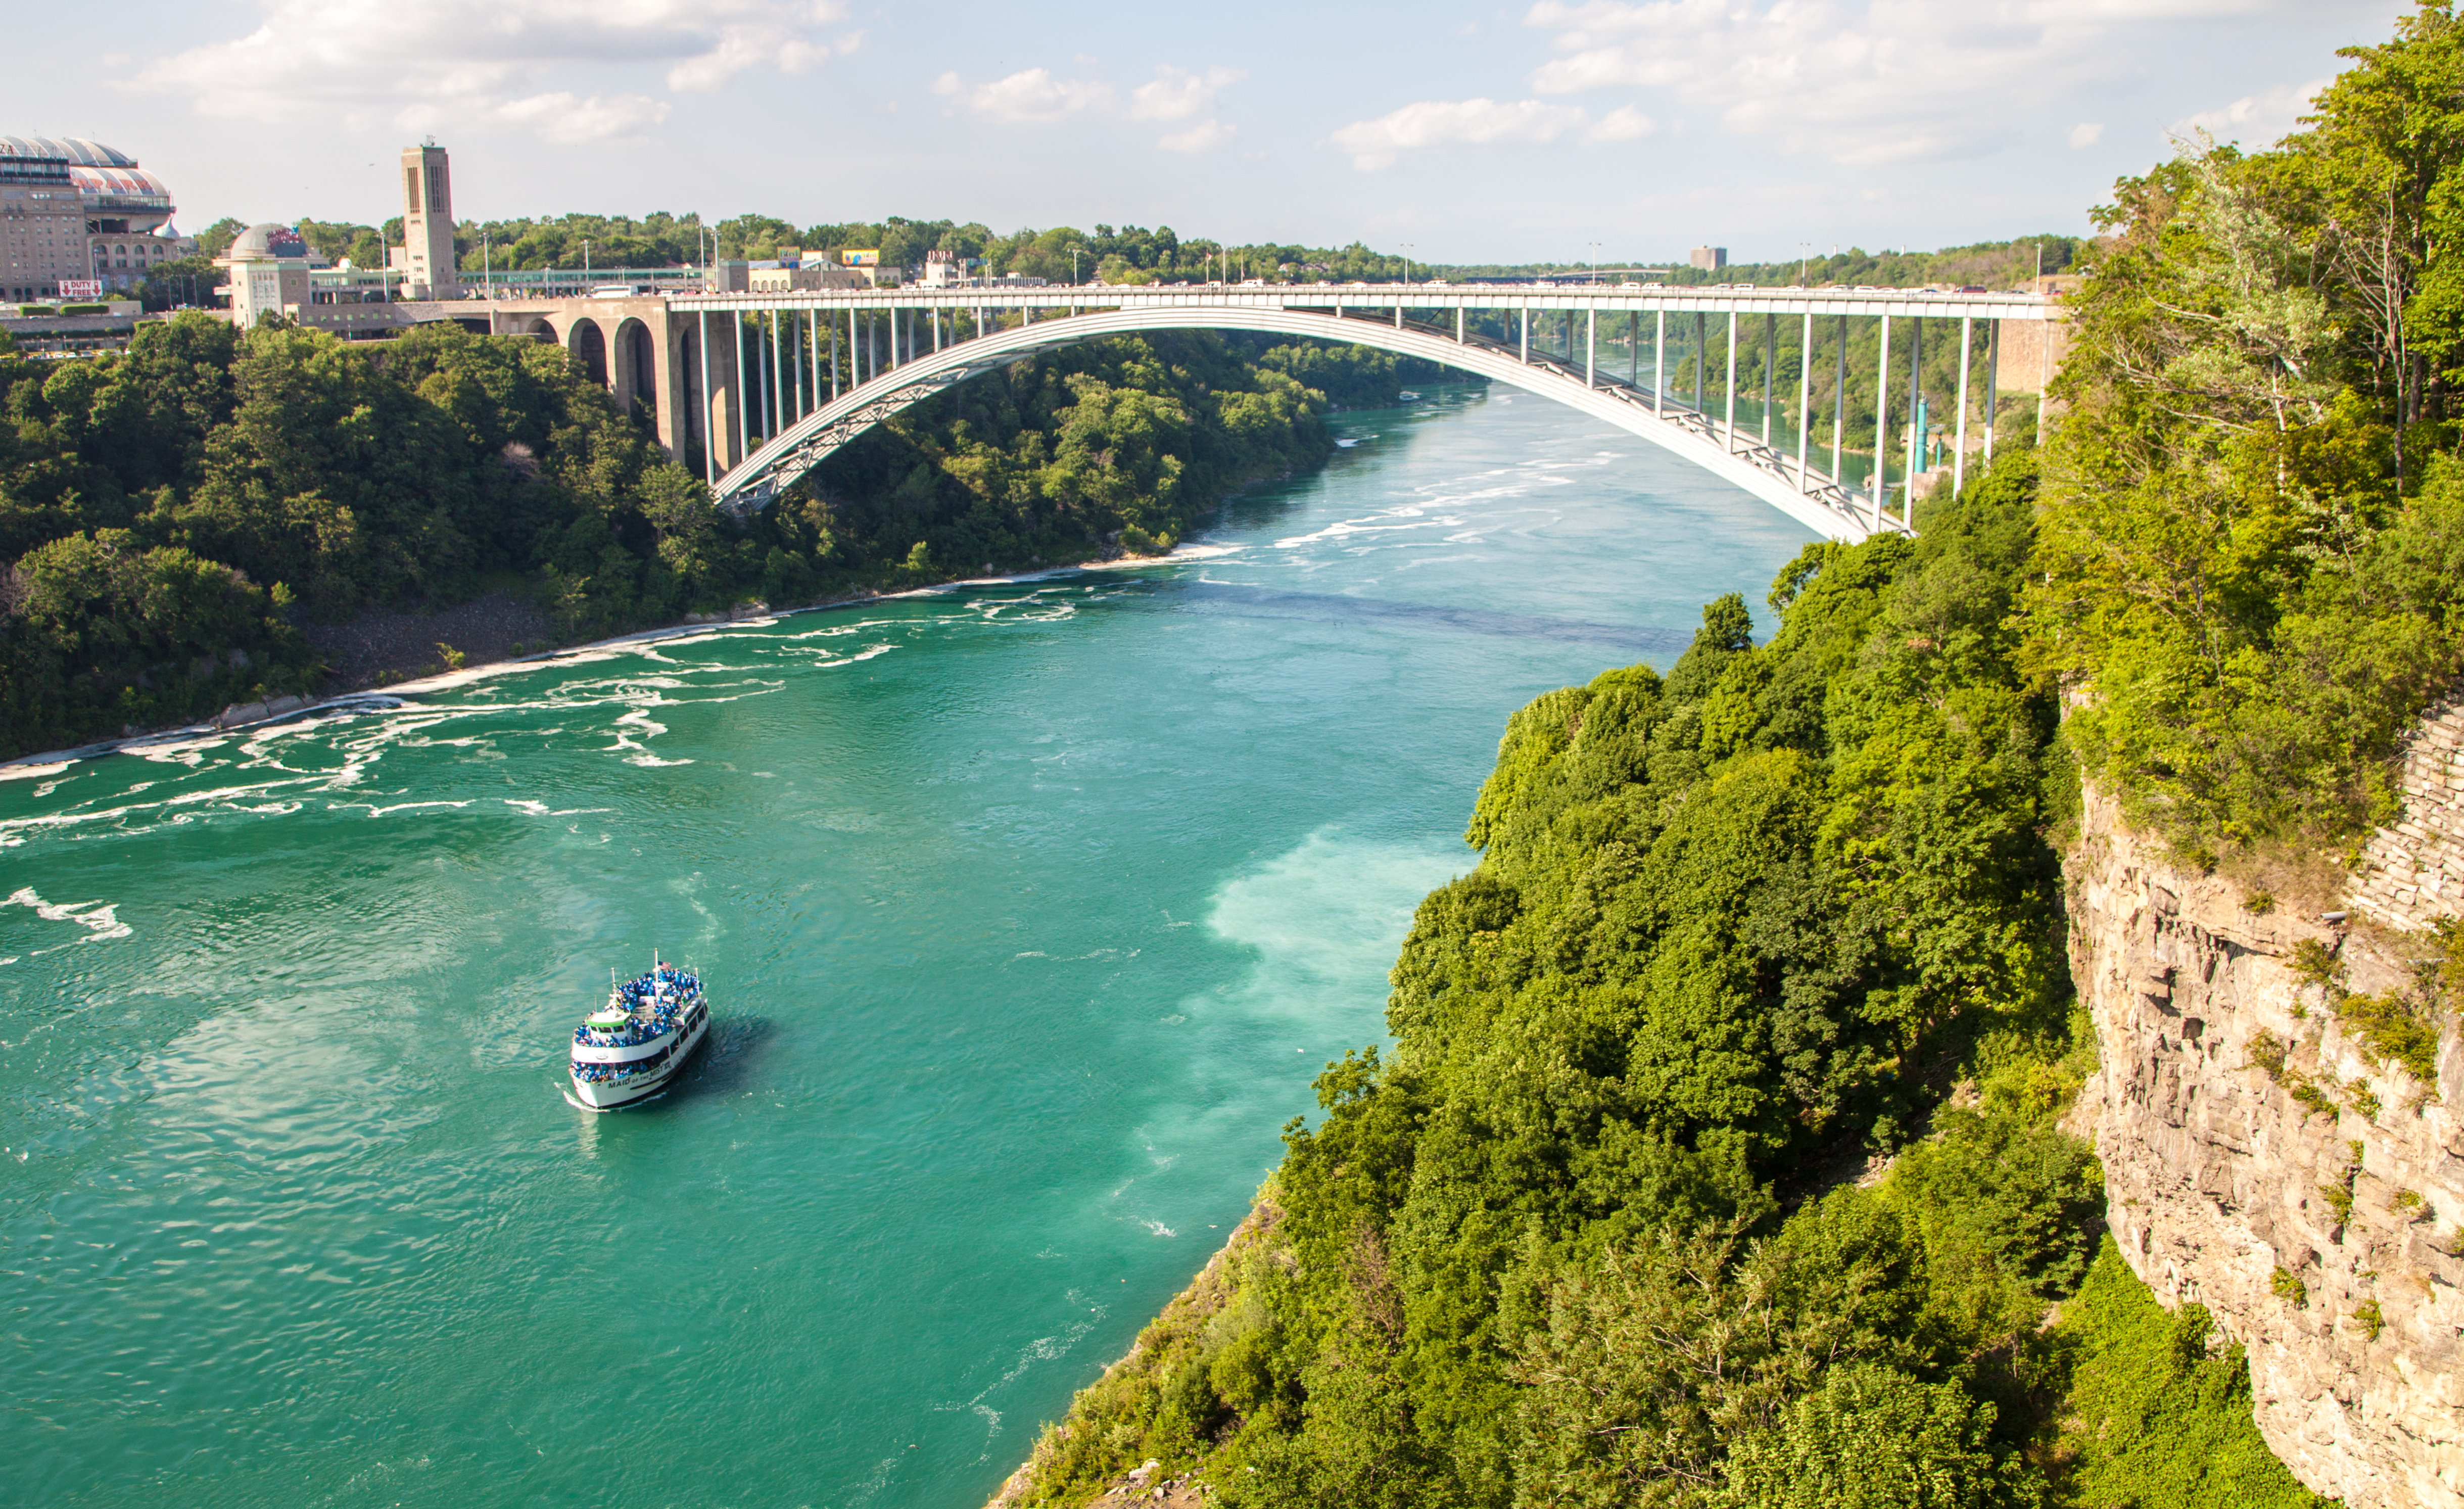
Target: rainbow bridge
x=759, y=388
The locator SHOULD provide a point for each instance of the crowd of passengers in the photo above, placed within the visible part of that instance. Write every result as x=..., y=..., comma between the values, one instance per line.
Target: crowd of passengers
x=602, y=1072
x=665, y=991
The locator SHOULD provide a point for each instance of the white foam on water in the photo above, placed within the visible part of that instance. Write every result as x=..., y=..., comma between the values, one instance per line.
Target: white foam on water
x=1326, y=918
x=1323, y=922
x=100, y=919
x=399, y=806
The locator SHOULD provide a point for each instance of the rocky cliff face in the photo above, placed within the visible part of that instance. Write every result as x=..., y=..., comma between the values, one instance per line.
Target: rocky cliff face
x=2259, y=1158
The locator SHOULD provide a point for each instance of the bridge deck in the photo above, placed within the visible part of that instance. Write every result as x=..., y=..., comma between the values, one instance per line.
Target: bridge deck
x=1715, y=298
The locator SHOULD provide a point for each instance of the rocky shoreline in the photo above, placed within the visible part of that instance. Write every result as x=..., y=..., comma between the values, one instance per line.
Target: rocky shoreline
x=407, y=650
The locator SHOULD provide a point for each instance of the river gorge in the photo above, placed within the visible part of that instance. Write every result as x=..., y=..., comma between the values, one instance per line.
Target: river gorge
x=1029, y=910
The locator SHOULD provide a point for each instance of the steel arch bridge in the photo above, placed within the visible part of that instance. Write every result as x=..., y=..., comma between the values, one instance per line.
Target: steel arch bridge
x=1784, y=477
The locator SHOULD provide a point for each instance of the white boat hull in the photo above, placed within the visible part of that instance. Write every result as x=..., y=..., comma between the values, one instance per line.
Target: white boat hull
x=608, y=1095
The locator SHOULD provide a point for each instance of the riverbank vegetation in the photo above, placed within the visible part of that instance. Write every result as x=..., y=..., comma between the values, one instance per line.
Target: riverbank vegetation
x=170, y=518
x=1590, y=1232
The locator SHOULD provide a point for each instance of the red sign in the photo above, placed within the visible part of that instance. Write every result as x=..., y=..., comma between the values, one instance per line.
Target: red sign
x=80, y=287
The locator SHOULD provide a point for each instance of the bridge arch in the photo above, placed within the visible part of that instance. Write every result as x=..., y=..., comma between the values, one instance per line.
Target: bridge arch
x=1805, y=493
x=634, y=358
x=588, y=344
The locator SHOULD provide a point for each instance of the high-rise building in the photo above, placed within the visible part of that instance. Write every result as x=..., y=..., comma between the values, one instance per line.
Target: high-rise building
x=1709, y=259
x=73, y=211
x=427, y=254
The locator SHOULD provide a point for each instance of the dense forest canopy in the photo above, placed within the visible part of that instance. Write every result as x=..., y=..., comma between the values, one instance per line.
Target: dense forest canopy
x=2255, y=522
x=1587, y=1233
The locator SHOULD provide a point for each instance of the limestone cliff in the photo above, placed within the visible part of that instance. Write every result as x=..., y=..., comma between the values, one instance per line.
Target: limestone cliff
x=2260, y=1160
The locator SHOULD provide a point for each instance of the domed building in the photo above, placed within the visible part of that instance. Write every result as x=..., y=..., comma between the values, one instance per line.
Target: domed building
x=268, y=270
x=73, y=211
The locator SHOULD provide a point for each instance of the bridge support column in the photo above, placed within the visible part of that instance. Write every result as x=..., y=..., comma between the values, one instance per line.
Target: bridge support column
x=1770, y=361
x=1527, y=335
x=1959, y=441
x=1804, y=395
x=777, y=379
x=1591, y=345
x=718, y=408
x=743, y=418
x=1458, y=325
x=813, y=344
x=1916, y=435
x=1702, y=342
x=1634, y=349
x=1728, y=440
x=1659, y=358
x=1881, y=420
x=709, y=451
x=1992, y=392
x=1840, y=403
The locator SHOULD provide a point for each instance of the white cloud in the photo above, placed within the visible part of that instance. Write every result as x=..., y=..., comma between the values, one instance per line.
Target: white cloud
x=1624, y=123
x=1177, y=94
x=1204, y=137
x=1033, y=96
x=1029, y=96
x=562, y=117
x=1868, y=84
x=1467, y=122
x=2255, y=121
x=2087, y=133
x=441, y=62
x=743, y=47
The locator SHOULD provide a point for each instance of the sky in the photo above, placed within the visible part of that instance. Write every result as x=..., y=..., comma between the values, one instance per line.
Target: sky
x=1610, y=132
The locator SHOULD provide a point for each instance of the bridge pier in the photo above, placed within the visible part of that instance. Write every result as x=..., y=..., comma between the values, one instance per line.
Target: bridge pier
x=1992, y=386
x=1839, y=398
x=1729, y=386
x=1770, y=360
x=1959, y=441
x=1659, y=358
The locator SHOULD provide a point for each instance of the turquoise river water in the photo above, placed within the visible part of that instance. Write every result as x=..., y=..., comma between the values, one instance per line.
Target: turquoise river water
x=1027, y=910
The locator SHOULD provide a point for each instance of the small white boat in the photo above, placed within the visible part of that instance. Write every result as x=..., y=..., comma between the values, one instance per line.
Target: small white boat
x=631, y=1048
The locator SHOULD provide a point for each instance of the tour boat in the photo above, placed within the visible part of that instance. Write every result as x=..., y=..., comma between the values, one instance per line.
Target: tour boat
x=630, y=1049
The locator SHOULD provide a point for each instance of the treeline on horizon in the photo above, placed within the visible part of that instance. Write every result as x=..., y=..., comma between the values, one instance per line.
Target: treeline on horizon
x=1116, y=254
x=1717, y=1159
x=171, y=518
